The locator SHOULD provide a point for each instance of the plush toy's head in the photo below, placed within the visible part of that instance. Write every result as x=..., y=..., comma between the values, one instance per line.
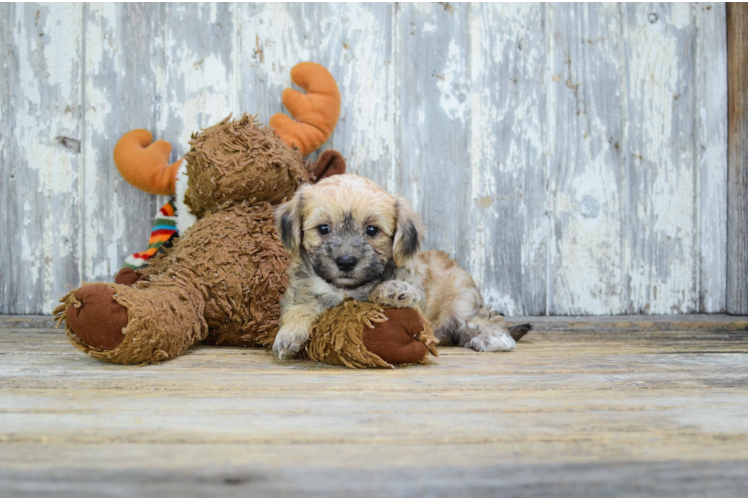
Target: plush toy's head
x=240, y=160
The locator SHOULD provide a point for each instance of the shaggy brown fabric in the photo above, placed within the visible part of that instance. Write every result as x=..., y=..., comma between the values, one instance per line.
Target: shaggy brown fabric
x=236, y=261
x=162, y=322
x=95, y=317
x=238, y=160
x=338, y=337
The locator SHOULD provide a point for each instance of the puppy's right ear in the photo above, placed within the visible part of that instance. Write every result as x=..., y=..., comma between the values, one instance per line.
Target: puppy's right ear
x=288, y=222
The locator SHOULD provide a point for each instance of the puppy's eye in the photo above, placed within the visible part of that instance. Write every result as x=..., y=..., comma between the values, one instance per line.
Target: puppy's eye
x=323, y=229
x=372, y=231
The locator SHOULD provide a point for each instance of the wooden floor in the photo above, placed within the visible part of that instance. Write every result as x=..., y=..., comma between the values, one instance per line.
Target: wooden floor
x=611, y=406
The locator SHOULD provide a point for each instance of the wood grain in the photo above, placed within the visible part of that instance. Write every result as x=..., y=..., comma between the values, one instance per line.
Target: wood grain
x=6, y=246
x=711, y=150
x=660, y=240
x=507, y=205
x=42, y=162
x=602, y=410
x=122, y=92
x=198, y=83
x=737, y=198
x=587, y=159
x=433, y=92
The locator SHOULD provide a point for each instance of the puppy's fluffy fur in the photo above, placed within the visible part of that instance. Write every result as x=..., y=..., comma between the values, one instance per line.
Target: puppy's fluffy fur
x=347, y=237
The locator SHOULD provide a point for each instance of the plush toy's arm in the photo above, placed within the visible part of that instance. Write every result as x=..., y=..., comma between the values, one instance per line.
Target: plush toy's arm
x=145, y=165
x=316, y=112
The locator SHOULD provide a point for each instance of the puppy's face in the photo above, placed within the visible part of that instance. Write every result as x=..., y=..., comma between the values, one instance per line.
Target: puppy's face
x=348, y=229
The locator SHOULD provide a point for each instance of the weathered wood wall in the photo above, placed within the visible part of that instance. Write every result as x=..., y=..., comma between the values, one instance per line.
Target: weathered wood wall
x=573, y=157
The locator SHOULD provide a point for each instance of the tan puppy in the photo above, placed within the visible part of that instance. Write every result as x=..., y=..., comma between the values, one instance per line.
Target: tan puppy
x=347, y=237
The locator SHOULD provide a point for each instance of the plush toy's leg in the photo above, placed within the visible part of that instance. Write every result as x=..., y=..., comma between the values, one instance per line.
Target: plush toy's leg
x=133, y=325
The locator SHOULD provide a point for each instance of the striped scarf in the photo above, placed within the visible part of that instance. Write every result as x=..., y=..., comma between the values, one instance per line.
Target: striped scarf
x=162, y=233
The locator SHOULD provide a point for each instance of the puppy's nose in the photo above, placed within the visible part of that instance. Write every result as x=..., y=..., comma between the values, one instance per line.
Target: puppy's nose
x=346, y=262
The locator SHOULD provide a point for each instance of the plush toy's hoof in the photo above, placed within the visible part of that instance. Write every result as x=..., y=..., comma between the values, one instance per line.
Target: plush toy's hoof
x=127, y=276
x=365, y=335
x=394, y=340
x=97, y=319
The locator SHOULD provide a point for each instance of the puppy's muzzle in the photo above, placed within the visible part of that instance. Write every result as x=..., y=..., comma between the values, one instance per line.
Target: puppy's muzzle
x=346, y=263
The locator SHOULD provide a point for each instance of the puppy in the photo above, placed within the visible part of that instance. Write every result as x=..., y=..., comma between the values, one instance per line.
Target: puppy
x=347, y=237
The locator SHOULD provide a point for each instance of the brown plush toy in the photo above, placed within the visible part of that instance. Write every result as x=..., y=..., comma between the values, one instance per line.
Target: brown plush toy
x=222, y=280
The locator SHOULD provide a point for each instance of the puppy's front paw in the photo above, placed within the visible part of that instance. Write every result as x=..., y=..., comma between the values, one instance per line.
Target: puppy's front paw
x=289, y=342
x=395, y=293
x=492, y=338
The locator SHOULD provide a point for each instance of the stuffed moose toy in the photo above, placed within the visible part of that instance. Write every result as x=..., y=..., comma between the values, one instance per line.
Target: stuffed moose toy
x=222, y=279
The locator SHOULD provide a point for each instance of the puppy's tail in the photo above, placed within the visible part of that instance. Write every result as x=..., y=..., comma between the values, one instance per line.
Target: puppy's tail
x=519, y=331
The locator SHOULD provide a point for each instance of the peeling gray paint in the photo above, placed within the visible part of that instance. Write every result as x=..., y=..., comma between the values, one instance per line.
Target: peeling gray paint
x=572, y=156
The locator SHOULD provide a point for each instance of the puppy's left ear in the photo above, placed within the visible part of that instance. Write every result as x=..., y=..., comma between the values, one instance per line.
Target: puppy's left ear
x=330, y=162
x=288, y=221
x=408, y=234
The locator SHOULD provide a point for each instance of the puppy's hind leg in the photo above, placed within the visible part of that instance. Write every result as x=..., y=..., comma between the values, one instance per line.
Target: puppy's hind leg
x=490, y=336
x=465, y=326
x=455, y=308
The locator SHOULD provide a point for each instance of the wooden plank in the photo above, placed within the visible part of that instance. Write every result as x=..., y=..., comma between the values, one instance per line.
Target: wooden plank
x=591, y=360
x=6, y=244
x=265, y=478
x=737, y=196
x=627, y=323
x=433, y=92
x=79, y=417
x=123, y=55
x=30, y=321
x=593, y=412
x=711, y=149
x=587, y=160
x=622, y=324
x=41, y=155
x=354, y=42
x=660, y=240
x=198, y=83
x=506, y=204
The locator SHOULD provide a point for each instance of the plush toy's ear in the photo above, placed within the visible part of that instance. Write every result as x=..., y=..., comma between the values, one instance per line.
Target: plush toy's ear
x=316, y=113
x=330, y=162
x=288, y=221
x=408, y=235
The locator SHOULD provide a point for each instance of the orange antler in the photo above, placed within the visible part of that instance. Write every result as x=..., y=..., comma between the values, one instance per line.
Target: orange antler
x=145, y=165
x=316, y=112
